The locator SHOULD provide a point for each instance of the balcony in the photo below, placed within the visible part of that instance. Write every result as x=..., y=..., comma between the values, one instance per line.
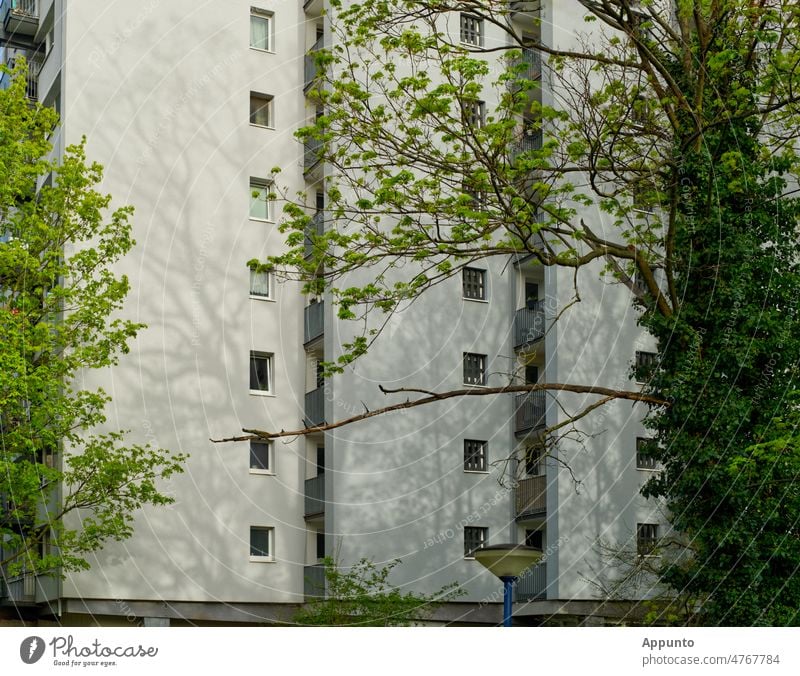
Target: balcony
x=310, y=64
x=315, y=496
x=529, y=325
x=530, y=411
x=531, y=139
x=531, y=496
x=315, y=407
x=526, y=12
x=314, y=322
x=32, y=76
x=21, y=590
x=20, y=17
x=532, y=584
x=532, y=59
x=311, y=158
x=316, y=227
x=314, y=581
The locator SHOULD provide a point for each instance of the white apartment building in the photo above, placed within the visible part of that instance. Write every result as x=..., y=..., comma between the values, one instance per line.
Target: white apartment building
x=188, y=105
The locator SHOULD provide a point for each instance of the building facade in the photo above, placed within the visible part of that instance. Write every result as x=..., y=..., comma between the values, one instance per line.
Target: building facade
x=189, y=106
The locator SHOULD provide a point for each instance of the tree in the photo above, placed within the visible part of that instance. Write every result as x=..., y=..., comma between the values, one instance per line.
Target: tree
x=65, y=487
x=362, y=596
x=679, y=121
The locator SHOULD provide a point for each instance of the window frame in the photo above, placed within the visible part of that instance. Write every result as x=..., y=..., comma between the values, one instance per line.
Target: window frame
x=269, y=17
x=482, y=369
x=475, y=113
x=261, y=296
x=261, y=184
x=640, y=362
x=647, y=536
x=270, y=555
x=476, y=449
x=258, y=469
x=480, y=285
x=270, y=359
x=470, y=30
x=649, y=465
x=482, y=533
x=270, y=108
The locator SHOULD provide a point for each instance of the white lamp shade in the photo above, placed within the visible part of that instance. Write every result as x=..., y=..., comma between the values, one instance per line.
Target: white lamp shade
x=508, y=560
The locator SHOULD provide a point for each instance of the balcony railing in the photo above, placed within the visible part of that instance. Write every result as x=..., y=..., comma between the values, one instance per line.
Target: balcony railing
x=530, y=411
x=315, y=407
x=531, y=496
x=314, y=322
x=314, y=581
x=525, y=10
x=311, y=149
x=34, y=61
x=529, y=140
x=20, y=17
x=532, y=59
x=22, y=589
x=315, y=495
x=532, y=584
x=316, y=227
x=529, y=324
x=310, y=63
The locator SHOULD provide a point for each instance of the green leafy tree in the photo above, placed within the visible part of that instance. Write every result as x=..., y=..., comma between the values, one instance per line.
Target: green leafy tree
x=362, y=596
x=677, y=123
x=65, y=487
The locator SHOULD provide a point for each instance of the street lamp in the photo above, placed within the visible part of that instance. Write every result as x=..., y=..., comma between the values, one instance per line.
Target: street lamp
x=508, y=562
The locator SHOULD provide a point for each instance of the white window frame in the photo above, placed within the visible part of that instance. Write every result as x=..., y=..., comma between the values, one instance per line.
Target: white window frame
x=475, y=114
x=269, y=17
x=484, y=533
x=270, y=106
x=270, y=531
x=270, y=357
x=270, y=469
x=646, y=545
x=270, y=286
x=470, y=29
x=465, y=272
x=484, y=373
x=264, y=187
x=482, y=455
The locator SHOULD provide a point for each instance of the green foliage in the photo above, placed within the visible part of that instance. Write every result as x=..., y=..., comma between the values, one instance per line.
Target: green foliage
x=362, y=596
x=65, y=488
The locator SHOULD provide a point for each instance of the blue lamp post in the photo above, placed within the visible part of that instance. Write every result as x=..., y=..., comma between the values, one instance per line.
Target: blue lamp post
x=508, y=562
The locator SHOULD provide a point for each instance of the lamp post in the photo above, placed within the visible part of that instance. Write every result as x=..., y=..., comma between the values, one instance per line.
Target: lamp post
x=508, y=562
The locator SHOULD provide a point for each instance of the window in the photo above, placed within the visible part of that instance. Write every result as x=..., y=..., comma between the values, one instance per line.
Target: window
x=260, y=202
x=260, y=372
x=261, y=109
x=643, y=459
x=534, y=461
x=534, y=538
x=471, y=30
x=261, y=543
x=474, y=455
x=320, y=460
x=260, y=29
x=474, y=283
x=320, y=545
x=474, y=369
x=259, y=284
x=475, y=113
x=646, y=538
x=261, y=457
x=646, y=363
x=474, y=537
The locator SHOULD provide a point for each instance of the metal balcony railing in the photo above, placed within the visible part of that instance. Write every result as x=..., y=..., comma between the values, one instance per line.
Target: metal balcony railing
x=316, y=227
x=529, y=324
x=530, y=411
x=22, y=589
x=310, y=63
x=533, y=64
x=311, y=149
x=532, y=584
x=315, y=407
x=34, y=61
x=20, y=17
x=314, y=581
x=314, y=321
x=529, y=140
x=315, y=495
x=531, y=496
